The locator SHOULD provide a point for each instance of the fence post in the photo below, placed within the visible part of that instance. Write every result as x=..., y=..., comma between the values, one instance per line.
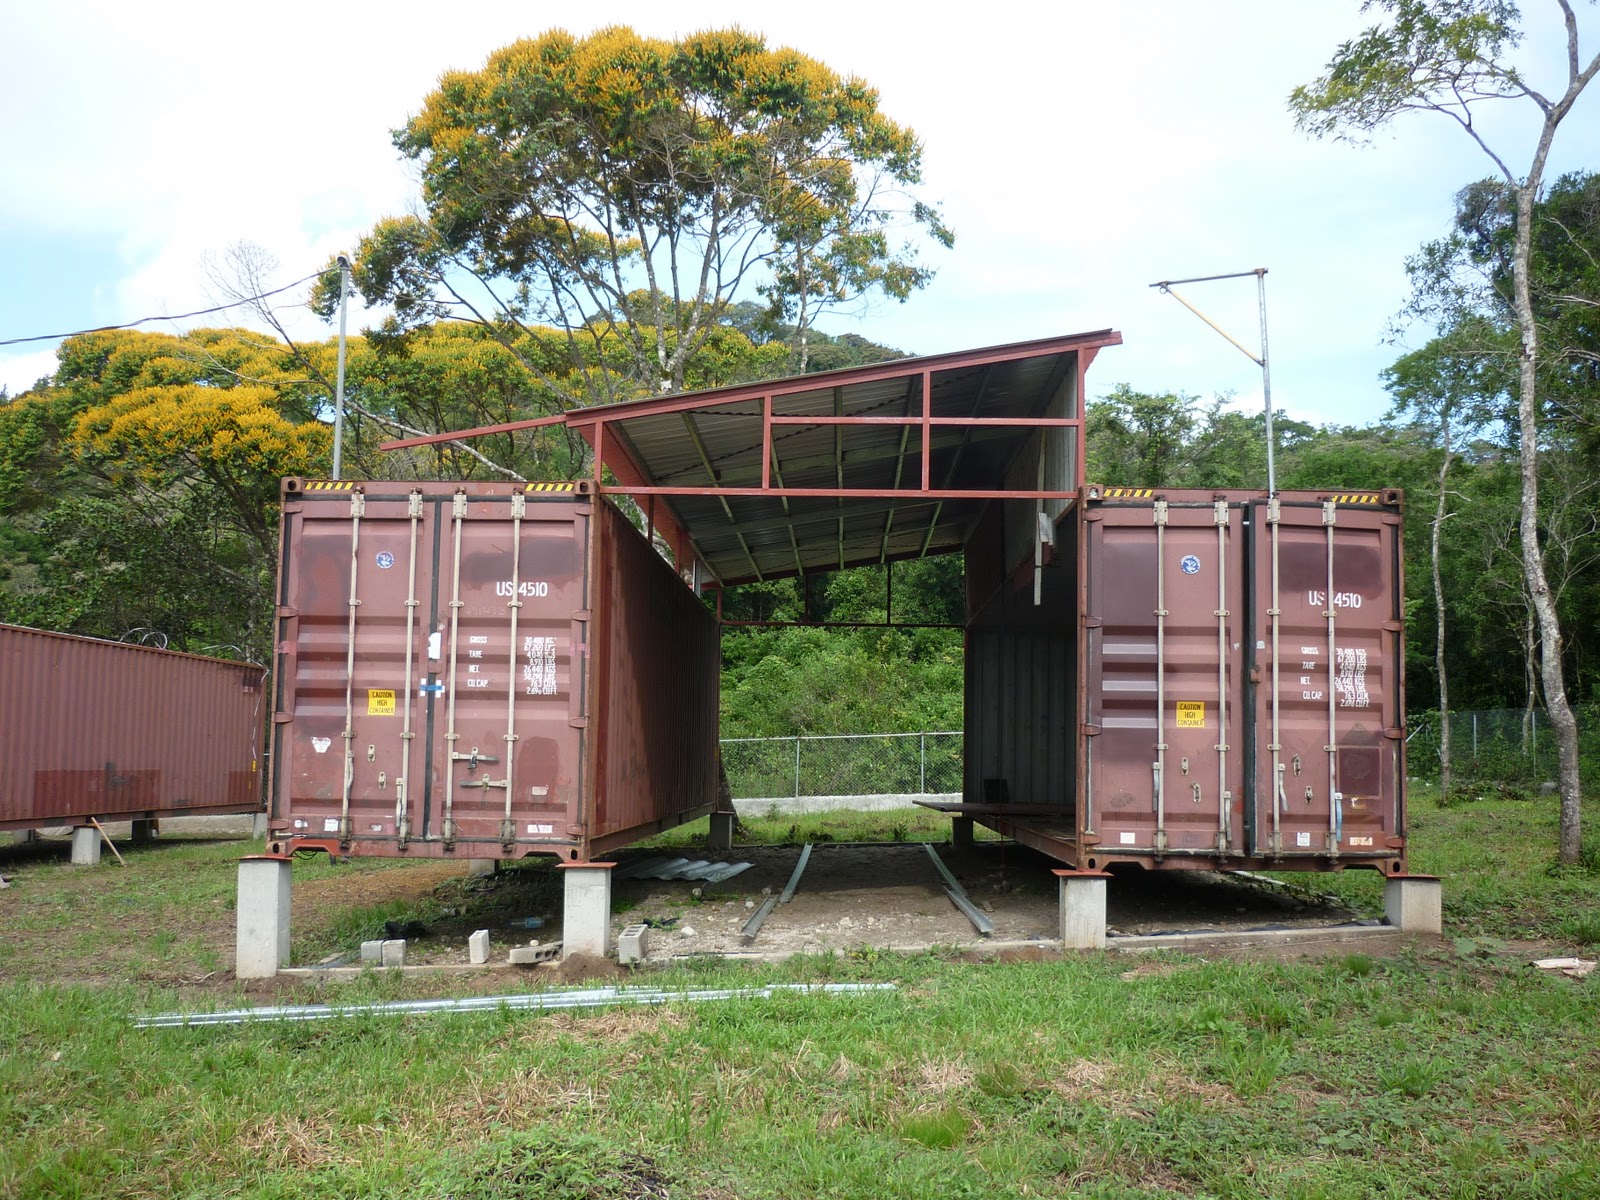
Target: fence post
x=797, y=768
x=922, y=765
x=1474, y=737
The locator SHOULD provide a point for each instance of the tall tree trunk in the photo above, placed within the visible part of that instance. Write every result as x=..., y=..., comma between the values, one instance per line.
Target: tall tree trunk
x=1551, y=673
x=1439, y=515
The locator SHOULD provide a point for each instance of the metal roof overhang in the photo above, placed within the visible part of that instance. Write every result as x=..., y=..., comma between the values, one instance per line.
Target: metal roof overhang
x=843, y=468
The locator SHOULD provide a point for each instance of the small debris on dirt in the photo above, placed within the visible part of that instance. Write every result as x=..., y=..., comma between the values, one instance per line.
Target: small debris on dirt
x=1577, y=968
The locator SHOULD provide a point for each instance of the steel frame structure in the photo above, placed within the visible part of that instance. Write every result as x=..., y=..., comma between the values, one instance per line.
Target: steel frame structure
x=997, y=395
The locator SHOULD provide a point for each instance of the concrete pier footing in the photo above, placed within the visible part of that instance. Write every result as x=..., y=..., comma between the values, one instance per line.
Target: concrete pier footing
x=1083, y=909
x=1414, y=903
x=586, y=916
x=85, y=846
x=262, y=916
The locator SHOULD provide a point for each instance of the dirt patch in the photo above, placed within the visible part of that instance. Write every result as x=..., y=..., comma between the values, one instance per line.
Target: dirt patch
x=850, y=897
x=319, y=901
x=584, y=968
x=892, y=895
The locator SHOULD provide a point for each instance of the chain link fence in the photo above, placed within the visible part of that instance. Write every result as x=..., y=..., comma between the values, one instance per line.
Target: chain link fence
x=1505, y=744
x=873, y=764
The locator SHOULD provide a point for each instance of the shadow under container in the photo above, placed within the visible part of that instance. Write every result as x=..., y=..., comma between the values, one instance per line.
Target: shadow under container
x=1186, y=679
x=483, y=671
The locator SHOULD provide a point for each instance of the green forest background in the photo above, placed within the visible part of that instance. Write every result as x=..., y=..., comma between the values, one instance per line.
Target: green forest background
x=139, y=482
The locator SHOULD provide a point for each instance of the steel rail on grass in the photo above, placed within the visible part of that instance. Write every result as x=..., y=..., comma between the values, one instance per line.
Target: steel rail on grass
x=753, y=925
x=538, y=1001
x=958, y=895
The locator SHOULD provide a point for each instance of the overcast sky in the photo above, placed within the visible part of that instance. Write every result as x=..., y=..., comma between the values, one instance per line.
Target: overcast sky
x=1081, y=150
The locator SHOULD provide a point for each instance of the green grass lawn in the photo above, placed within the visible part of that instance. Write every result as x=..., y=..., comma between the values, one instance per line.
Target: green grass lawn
x=1451, y=1070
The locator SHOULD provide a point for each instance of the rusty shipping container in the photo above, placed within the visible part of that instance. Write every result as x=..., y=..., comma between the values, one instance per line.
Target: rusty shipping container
x=483, y=670
x=1207, y=679
x=91, y=728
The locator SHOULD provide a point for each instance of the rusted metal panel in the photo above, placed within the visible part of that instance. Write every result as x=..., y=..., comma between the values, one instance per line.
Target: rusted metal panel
x=657, y=660
x=90, y=728
x=483, y=670
x=1237, y=668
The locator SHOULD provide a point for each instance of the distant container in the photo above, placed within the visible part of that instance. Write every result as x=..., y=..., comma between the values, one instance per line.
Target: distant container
x=90, y=728
x=1208, y=679
x=484, y=670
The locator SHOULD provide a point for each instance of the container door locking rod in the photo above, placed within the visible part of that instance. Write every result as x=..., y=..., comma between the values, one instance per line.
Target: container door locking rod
x=458, y=512
x=1159, y=767
x=1220, y=515
x=958, y=895
x=358, y=507
x=402, y=787
x=508, y=828
x=1335, y=800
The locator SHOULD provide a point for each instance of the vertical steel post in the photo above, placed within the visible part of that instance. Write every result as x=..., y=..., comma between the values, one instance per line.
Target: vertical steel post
x=797, y=768
x=338, y=387
x=1266, y=380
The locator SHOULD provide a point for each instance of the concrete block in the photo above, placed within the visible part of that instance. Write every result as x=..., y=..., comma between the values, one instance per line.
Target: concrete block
x=1414, y=903
x=392, y=952
x=262, y=915
x=478, y=947
x=85, y=846
x=586, y=915
x=482, y=866
x=258, y=825
x=1083, y=909
x=144, y=832
x=372, y=951
x=633, y=944
x=527, y=956
x=721, y=837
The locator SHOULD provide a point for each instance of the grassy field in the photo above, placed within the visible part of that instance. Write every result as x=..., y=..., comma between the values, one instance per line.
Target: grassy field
x=1452, y=1069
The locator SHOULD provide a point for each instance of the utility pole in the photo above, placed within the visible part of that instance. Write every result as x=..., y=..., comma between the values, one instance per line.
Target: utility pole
x=338, y=390
x=1266, y=372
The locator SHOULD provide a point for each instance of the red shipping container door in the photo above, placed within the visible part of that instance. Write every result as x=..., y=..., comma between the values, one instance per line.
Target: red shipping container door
x=90, y=728
x=484, y=670
x=1243, y=696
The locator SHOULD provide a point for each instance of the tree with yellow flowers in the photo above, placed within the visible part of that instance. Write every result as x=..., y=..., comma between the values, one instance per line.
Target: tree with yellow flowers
x=139, y=485
x=623, y=192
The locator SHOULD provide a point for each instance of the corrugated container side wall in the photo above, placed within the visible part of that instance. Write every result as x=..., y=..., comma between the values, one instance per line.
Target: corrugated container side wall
x=90, y=728
x=658, y=675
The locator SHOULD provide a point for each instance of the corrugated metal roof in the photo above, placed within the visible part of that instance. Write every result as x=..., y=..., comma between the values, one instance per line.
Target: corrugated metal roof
x=700, y=455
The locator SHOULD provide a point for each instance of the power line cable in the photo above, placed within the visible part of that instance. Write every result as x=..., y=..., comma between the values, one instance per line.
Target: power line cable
x=204, y=312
